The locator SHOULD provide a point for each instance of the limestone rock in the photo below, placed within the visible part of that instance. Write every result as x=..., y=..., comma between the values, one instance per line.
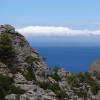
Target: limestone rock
x=61, y=73
x=7, y=28
x=11, y=97
x=3, y=69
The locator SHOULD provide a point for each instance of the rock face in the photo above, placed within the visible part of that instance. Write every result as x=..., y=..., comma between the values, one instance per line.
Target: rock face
x=26, y=62
x=24, y=52
x=7, y=28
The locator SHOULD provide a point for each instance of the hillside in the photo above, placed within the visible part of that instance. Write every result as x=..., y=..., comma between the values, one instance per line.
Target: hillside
x=25, y=76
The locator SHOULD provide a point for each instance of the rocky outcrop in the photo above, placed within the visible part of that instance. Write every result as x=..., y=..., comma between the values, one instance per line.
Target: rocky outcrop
x=26, y=64
x=7, y=28
x=24, y=52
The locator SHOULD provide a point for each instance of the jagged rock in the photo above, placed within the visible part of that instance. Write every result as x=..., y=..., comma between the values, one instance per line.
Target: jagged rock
x=61, y=73
x=51, y=80
x=64, y=85
x=22, y=51
x=23, y=97
x=3, y=69
x=11, y=97
x=20, y=79
x=7, y=28
x=50, y=93
x=98, y=95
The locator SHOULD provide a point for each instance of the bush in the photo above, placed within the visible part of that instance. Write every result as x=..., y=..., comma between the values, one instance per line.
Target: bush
x=29, y=75
x=82, y=94
x=5, y=83
x=97, y=75
x=53, y=87
x=16, y=90
x=7, y=52
x=73, y=80
x=7, y=87
x=53, y=73
x=43, y=85
x=95, y=87
x=31, y=59
x=56, y=89
x=56, y=76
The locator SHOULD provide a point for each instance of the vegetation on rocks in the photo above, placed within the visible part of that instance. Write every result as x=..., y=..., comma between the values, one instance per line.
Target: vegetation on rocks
x=30, y=67
x=53, y=87
x=31, y=59
x=7, y=51
x=54, y=74
x=7, y=87
x=29, y=75
x=84, y=81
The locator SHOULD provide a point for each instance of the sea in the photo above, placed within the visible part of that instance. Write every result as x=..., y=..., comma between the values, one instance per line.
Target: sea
x=73, y=59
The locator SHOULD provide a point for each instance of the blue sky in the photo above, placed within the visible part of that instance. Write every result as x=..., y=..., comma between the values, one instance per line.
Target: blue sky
x=54, y=18
x=78, y=14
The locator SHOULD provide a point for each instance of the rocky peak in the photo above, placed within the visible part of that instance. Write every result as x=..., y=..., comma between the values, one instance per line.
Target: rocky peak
x=25, y=56
x=7, y=28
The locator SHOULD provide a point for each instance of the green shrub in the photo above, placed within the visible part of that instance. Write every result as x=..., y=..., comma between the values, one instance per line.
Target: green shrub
x=53, y=87
x=56, y=76
x=31, y=59
x=5, y=83
x=73, y=80
x=29, y=75
x=7, y=87
x=7, y=52
x=53, y=73
x=97, y=75
x=81, y=94
x=95, y=87
x=56, y=89
x=16, y=90
x=44, y=85
x=55, y=69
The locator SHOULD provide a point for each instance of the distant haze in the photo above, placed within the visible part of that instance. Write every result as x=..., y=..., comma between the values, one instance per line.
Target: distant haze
x=64, y=42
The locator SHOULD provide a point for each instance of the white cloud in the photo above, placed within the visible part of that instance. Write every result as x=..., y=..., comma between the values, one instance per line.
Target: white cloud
x=54, y=31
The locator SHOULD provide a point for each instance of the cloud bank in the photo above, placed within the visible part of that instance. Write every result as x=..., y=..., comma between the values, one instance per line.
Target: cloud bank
x=55, y=31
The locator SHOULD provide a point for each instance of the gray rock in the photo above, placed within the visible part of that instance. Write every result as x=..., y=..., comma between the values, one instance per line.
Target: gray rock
x=11, y=97
x=23, y=97
x=20, y=79
x=7, y=28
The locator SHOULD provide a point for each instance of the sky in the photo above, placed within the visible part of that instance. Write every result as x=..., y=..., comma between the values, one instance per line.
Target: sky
x=52, y=18
x=77, y=14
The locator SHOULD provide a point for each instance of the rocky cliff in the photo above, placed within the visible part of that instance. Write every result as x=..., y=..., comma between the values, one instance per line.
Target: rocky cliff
x=25, y=76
